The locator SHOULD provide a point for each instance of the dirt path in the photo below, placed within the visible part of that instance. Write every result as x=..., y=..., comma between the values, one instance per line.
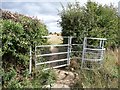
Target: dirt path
x=65, y=79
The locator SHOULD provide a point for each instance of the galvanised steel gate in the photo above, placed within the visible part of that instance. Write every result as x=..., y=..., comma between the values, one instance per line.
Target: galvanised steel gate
x=49, y=59
x=92, y=55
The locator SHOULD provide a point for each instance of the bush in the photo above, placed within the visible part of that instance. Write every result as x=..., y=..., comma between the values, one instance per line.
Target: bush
x=47, y=77
x=19, y=32
x=91, y=20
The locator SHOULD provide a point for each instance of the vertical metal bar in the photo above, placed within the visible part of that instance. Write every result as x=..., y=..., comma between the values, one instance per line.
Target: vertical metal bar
x=70, y=46
x=69, y=49
x=84, y=46
x=30, y=62
x=103, y=44
x=35, y=57
x=100, y=44
x=102, y=53
x=119, y=8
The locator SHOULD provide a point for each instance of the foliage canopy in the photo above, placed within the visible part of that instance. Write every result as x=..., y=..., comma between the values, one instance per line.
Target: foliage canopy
x=91, y=20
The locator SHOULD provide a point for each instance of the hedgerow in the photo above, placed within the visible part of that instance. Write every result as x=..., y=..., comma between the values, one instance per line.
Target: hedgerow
x=19, y=32
x=91, y=20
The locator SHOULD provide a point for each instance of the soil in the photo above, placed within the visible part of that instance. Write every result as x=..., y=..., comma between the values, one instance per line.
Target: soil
x=65, y=79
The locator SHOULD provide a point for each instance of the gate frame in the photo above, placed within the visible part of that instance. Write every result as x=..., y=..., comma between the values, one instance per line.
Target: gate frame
x=69, y=45
x=102, y=49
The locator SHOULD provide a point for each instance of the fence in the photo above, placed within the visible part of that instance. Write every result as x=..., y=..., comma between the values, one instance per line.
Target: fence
x=42, y=60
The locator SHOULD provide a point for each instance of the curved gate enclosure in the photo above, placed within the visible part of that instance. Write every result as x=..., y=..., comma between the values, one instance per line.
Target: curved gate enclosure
x=92, y=55
x=59, y=55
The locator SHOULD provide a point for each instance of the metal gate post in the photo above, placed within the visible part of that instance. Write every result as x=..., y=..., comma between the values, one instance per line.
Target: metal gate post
x=84, y=46
x=69, y=49
x=35, y=57
x=30, y=62
x=102, y=52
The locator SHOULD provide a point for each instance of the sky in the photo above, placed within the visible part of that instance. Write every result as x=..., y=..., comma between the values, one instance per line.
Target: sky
x=45, y=10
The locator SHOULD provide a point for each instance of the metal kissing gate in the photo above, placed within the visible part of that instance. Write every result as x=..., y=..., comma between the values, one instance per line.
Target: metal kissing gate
x=59, y=55
x=92, y=55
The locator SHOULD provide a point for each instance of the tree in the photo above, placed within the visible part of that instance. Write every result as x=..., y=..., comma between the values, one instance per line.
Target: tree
x=91, y=20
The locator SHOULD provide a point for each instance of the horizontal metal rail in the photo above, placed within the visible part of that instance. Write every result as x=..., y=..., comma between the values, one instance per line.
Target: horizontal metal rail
x=95, y=49
x=76, y=58
x=77, y=51
x=55, y=36
x=59, y=36
x=52, y=45
x=61, y=45
x=74, y=37
x=92, y=52
x=91, y=46
x=52, y=61
x=50, y=54
x=82, y=45
x=96, y=38
x=56, y=66
x=76, y=44
x=92, y=59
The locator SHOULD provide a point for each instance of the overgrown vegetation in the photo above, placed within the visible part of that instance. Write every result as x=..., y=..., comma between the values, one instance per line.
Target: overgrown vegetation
x=91, y=20
x=19, y=32
x=40, y=78
x=106, y=77
x=94, y=20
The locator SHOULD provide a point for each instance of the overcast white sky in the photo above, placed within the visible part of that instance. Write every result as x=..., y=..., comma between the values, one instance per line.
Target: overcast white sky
x=46, y=10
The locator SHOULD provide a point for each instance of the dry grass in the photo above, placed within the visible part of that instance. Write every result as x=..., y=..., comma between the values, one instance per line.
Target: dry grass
x=110, y=63
x=106, y=77
x=55, y=40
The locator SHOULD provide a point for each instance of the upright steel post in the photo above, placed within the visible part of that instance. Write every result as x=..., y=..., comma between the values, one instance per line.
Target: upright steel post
x=35, y=57
x=119, y=8
x=84, y=46
x=69, y=49
x=101, y=47
x=100, y=44
x=102, y=52
x=30, y=62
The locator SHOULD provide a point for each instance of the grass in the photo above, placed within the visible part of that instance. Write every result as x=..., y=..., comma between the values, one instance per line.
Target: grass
x=110, y=63
x=55, y=40
x=106, y=77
